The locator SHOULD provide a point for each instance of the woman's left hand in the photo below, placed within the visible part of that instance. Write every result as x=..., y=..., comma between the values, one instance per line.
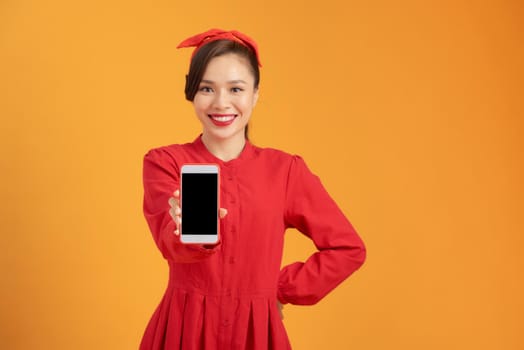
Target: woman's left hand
x=280, y=309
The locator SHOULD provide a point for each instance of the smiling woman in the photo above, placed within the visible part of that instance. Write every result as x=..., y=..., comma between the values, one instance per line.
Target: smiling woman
x=230, y=295
x=216, y=48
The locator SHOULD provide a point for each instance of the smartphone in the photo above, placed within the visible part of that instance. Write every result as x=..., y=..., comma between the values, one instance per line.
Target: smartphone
x=199, y=203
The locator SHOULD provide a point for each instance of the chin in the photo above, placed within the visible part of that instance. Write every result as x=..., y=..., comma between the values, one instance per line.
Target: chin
x=224, y=134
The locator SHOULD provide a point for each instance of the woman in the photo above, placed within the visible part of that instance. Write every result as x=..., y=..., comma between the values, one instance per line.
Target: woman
x=228, y=296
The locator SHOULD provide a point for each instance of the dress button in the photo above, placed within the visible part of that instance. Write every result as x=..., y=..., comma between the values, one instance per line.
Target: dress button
x=231, y=260
x=232, y=200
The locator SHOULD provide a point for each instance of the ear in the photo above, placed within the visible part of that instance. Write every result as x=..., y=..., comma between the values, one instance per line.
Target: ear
x=255, y=97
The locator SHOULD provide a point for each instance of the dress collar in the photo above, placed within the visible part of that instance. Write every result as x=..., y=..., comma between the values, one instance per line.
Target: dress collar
x=247, y=152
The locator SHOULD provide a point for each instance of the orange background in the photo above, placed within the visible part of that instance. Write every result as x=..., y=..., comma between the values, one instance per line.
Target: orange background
x=410, y=111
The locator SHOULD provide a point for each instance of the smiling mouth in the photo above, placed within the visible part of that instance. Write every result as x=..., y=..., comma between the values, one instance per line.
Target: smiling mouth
x=222, y=118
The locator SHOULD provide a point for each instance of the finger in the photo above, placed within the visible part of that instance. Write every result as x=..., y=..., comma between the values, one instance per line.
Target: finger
x=177, y=221
x=175, y=215
x=222, y=212
x=173, y=203
x=176, y=197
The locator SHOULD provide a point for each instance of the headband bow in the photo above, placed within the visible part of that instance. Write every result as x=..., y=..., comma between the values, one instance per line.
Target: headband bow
x=211, y=35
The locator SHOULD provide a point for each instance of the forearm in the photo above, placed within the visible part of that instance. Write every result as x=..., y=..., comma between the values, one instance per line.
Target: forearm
x=162, y=229
x=306, y=283
x=161, y=179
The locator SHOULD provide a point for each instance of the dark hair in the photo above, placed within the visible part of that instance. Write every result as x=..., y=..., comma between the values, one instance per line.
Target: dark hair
x=209, y=51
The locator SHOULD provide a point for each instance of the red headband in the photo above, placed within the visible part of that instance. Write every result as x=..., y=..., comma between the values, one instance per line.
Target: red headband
x=200, y=40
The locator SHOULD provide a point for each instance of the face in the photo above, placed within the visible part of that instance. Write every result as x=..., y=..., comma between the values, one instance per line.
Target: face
x=225, y=98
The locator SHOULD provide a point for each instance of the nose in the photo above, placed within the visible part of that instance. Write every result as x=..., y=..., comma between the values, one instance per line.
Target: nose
x=221, y=100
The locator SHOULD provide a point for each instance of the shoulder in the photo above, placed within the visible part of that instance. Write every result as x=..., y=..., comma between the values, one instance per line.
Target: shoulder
x=167, y=152
x=274, y=154
x=279, y=157
x=277, y=164
x=168, y=157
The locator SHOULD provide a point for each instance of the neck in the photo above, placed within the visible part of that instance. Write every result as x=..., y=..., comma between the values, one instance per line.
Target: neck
x=224, y=149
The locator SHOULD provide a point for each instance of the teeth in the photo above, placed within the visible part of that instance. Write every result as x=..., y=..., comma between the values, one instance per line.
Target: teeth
x=223, y=118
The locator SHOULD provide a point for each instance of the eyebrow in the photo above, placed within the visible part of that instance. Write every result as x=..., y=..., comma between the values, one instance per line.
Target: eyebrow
x=237, y=81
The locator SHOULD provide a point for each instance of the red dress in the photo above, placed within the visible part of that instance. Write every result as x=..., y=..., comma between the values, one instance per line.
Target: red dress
x=226, y=297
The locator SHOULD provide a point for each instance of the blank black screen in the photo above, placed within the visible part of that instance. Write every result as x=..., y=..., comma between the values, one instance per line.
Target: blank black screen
x=199, y=204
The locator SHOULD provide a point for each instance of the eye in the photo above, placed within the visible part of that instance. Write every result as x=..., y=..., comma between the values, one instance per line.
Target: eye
x=205, y=88
x=236, y=89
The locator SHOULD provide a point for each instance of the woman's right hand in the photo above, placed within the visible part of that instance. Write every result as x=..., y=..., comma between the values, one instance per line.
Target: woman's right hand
x=176, y=212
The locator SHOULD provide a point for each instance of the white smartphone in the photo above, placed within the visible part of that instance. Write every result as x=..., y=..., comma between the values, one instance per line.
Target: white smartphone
x=199, y=202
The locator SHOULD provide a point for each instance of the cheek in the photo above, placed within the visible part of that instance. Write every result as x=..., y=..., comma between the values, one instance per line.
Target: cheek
x=200, y=104
x=246, y=103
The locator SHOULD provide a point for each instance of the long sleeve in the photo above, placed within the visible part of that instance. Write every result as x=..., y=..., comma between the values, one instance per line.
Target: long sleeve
x=161, y=179
x=311, y=210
